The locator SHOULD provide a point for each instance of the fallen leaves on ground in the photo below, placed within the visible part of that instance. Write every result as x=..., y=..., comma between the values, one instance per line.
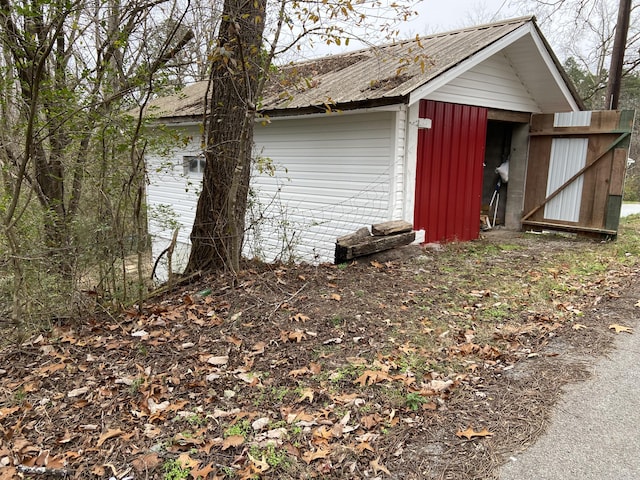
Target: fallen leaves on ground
x=276, y=375
x=232, y=441
x=111, y=433
x=378, y=467
x=620, y=328
x=470, y=433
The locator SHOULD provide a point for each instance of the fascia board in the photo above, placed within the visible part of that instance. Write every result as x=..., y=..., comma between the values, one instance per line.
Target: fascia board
x=386, y=108
x=552, y=67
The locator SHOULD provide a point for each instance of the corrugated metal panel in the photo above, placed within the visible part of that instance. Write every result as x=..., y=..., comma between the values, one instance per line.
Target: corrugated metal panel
x=572, y=119
x=388, y=71
x=568, y=156
x=449, y=171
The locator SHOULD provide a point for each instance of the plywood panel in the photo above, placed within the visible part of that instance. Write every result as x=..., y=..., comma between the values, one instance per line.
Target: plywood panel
x=601, y=172
x=537, y=172
x=616, y=186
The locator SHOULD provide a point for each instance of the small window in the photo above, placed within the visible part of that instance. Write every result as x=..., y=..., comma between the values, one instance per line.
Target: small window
x=194, y=164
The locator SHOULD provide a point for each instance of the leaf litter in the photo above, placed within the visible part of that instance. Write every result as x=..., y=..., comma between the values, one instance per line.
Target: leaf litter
x=387, y=368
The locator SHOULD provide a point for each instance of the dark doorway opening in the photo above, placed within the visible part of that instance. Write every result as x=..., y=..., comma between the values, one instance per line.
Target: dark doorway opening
x=494, y=186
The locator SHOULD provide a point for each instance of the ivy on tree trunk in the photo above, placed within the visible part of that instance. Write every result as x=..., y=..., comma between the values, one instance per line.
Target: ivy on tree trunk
x=234, y=81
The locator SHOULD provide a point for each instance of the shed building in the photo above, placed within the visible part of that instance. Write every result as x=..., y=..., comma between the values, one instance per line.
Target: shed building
x=415, y=131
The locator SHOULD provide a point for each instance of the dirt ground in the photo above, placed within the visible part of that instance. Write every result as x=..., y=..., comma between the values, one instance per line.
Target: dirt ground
x=420, y=363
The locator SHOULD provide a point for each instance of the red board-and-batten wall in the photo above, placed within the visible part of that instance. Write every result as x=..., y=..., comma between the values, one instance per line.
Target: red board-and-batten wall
x=449, y=171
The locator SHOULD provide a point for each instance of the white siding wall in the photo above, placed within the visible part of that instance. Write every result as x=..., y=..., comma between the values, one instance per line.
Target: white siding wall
x=170, y=190
x=399, y=171
x=493, y=83
x=410, y=161
x=333, y=174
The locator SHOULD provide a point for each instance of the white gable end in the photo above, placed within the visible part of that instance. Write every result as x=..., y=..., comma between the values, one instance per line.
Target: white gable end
x=494, y=83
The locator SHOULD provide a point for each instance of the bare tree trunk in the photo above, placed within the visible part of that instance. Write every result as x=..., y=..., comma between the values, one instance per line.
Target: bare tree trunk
x=218, y=230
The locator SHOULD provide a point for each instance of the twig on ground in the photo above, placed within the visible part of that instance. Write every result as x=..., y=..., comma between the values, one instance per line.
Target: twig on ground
x=56, y=472
x=176, y=283
x=286, y=301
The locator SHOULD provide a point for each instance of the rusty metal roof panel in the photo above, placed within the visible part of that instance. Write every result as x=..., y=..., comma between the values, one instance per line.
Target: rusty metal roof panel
x=388, y=72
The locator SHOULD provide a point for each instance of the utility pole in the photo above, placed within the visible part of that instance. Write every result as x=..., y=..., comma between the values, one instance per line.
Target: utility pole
x=617, y=55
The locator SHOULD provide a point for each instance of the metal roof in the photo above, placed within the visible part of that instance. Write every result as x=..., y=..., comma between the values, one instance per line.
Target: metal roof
x=390, y=73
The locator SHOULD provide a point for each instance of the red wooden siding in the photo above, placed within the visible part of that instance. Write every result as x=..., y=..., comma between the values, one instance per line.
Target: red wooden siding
x=449, y=171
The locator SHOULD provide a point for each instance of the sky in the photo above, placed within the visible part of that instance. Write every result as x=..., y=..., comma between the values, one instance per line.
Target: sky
x=439, y=16
x=433, y=16
x=569, y=36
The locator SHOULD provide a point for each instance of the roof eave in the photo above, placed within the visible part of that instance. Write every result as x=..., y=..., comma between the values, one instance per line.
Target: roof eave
x=566, y=84
x=178, y=120
x=344, y=106
x=296, y=112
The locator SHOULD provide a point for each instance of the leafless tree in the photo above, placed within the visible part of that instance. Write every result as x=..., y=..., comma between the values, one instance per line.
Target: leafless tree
x=69, y=68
